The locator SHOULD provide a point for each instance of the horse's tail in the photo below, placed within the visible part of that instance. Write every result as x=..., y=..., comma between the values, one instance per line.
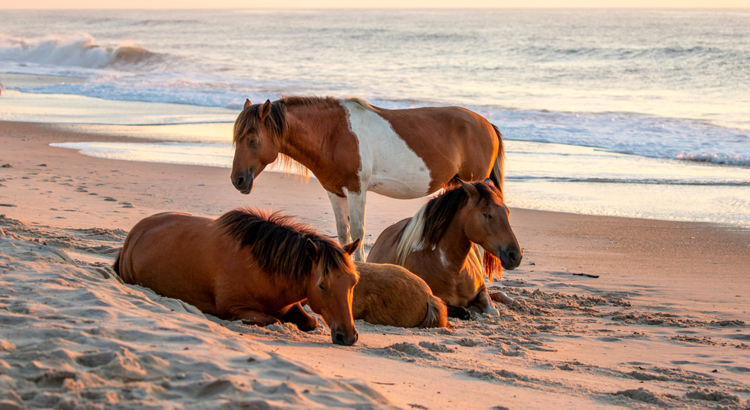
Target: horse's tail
x=437, y=313
x=497, y=175
x=116, y=265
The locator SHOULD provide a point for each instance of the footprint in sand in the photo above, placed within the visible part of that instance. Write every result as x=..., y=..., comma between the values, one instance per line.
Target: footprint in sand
x=110, y=199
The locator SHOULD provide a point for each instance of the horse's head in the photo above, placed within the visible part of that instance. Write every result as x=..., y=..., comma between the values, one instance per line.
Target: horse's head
x=331, y=289
x=486, y=223
x=256, y=133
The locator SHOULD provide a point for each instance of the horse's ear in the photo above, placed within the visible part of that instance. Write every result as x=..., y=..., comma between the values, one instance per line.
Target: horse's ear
x=352, y=246
x=470, y=189
x=265, y=110
x=247, y=104
x=312, y=250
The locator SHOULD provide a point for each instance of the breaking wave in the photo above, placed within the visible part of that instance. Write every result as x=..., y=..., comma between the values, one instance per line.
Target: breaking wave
x=80, y=51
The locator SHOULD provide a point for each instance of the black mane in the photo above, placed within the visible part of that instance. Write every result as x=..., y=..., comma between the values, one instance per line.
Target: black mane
x=279, y=245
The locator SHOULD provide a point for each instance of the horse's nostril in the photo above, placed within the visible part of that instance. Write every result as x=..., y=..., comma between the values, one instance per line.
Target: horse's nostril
x=512, y=255
x=339, y=340
x=239, y=181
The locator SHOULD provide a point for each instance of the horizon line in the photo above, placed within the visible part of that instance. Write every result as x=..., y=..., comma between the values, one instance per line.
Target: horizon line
x=381, y=8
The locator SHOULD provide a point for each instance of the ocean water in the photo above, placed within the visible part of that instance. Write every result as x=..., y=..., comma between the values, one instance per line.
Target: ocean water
x=598, y=106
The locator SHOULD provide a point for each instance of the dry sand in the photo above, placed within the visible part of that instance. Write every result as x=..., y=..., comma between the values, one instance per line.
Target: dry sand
x=663, y=326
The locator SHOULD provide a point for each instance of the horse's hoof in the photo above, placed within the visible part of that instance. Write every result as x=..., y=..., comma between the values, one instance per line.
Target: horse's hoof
x=459, y=312
x=492, y=312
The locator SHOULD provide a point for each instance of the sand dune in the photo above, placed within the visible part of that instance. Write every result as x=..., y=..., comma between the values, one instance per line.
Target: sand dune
x=73, y=336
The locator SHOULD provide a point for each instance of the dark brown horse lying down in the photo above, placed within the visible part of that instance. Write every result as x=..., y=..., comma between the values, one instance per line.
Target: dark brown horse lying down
x=247, y=265
x=434, y=244
x=391, y=295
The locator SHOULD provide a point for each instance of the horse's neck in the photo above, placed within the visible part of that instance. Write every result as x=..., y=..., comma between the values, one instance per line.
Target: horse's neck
x=308, y=129
x=454, y=246
x=294, y=290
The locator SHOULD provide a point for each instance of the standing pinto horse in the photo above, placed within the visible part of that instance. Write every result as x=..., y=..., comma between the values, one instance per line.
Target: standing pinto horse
x=352, y=147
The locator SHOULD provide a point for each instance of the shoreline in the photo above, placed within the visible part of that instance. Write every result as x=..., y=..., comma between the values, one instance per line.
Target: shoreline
x=668, y=308
x=189, y=185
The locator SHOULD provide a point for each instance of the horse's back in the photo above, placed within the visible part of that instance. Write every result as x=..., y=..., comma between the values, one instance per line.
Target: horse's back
x=385, y=247
x=410, y=153
x=170, y=253
x=390, y=295
x=451, y=140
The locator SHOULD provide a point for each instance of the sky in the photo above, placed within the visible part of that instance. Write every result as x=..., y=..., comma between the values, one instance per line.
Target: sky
x=266, y=4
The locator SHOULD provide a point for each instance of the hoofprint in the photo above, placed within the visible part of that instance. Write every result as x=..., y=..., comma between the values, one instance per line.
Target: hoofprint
x=401, y=154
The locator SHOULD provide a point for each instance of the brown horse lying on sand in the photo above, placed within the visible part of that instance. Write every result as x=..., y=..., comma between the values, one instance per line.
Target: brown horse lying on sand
x=247, y=265
x=391, y=295
x=435, y=244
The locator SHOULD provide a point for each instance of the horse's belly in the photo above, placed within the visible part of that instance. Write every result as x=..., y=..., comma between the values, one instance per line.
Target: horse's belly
x=400, y=188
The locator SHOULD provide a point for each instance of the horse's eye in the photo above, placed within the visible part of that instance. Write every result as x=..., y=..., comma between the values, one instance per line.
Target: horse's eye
x=252, y=142
x=322, y=288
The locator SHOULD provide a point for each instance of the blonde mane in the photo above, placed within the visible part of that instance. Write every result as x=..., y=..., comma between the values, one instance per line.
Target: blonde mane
x=411, y=238
x=431, y=222
x=362, y=103
x=289, y=166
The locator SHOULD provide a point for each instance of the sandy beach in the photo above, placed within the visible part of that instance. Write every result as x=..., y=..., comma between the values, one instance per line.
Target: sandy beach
x=659, y=318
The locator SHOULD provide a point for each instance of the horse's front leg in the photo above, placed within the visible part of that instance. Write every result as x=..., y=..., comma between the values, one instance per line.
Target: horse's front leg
x=341, y=212
x=357, y=221
x=253, y=317
x=484, y=303
x=297, y=315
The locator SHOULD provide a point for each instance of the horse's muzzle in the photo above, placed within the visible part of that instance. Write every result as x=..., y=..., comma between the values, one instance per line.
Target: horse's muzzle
x=244, y=183
x=511, y=258
x=340, y=338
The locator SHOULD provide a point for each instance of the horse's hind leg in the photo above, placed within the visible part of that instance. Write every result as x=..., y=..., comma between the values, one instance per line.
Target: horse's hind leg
x=357, y=220
x=341, y=212
x=299, y=317
x=501, y=297
x=459, y=312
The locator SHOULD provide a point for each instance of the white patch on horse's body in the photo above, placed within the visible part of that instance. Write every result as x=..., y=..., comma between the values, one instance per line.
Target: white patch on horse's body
x=443, y=260
x=388, y=166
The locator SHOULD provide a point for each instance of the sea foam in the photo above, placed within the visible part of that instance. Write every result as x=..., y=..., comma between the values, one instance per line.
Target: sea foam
x=78, y=51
